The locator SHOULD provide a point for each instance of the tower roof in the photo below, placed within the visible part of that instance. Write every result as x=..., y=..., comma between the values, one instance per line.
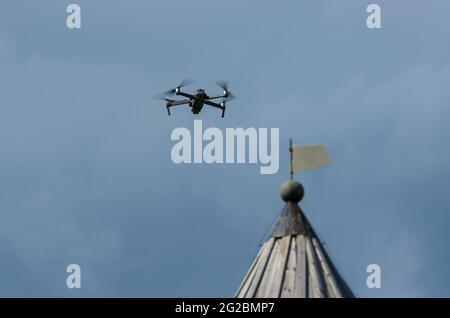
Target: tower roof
x=293, y=262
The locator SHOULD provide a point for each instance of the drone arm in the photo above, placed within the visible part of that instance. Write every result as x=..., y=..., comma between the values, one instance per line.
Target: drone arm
x=220, y=106
x=216, y=96
x=177, y=102
x=213, y=104
x=171, y=103
x=185, y=95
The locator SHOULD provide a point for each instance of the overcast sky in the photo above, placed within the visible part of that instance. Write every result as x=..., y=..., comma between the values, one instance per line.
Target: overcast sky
x=85, y=170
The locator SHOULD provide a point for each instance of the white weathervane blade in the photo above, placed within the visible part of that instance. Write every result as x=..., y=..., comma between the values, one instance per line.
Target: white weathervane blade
x=304, y=157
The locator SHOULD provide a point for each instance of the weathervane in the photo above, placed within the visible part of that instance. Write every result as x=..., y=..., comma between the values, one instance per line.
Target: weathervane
x=292, y=262
x=304, y=157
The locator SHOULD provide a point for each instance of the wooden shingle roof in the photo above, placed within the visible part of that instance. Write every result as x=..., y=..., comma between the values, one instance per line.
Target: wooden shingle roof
x=293, y=263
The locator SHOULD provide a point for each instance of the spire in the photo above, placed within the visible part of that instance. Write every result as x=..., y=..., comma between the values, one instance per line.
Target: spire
x=293, y=262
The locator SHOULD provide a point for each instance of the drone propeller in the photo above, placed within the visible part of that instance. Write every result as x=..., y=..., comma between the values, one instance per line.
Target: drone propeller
x=162, y=97
x=224, y=86
x=183, y=83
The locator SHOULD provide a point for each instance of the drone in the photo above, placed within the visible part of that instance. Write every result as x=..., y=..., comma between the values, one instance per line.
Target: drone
x=197, y=100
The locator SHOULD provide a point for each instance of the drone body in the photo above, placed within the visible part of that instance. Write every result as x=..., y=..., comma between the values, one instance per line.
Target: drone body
x=198, y=99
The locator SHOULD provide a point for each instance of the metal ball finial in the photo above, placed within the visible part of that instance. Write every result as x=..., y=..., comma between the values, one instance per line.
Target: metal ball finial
x=292, y=191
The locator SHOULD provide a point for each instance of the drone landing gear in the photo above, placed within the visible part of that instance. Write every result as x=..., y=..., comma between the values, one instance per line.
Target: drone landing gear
x=168, y=110
x=223, y=109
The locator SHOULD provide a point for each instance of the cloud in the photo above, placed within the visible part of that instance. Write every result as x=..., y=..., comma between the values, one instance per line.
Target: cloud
x=86, y=170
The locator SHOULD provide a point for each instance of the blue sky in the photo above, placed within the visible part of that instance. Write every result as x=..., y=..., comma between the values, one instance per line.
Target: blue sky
x=85, y=170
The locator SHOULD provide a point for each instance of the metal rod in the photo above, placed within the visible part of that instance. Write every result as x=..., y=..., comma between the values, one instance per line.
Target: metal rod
x=291, y=150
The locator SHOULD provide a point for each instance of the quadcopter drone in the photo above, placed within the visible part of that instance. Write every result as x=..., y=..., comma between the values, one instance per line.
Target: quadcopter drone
x=197, y=100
